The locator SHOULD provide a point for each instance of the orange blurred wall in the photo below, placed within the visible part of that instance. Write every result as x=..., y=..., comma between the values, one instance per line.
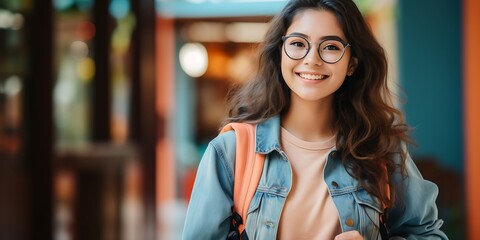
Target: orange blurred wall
x=165, y=84
x=471, y=57
x=165, y=106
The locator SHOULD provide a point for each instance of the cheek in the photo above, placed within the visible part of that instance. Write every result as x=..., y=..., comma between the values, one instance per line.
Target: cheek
x=342, y=67
x=287, y=65
x=342, y=71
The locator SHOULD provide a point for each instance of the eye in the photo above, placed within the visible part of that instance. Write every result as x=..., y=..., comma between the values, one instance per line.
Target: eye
x=331, y=47
x=297, y=44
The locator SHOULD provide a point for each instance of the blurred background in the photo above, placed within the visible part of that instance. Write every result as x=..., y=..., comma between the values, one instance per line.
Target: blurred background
x=106, y=106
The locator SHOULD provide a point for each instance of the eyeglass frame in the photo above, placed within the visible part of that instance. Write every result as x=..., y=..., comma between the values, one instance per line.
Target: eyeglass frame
x=345, y=45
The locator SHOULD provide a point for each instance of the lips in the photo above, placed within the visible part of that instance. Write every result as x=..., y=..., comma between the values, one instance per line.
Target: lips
x=310, y=76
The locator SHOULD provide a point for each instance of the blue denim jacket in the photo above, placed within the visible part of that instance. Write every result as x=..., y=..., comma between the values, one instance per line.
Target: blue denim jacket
x=209, y=210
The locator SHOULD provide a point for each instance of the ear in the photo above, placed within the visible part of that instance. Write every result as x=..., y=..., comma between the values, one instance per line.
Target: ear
x=352, y=65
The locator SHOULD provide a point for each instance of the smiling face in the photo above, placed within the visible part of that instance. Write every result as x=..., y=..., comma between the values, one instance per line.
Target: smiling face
x=310, y=78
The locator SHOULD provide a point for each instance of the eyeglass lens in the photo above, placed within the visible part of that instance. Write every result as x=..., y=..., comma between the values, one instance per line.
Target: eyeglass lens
x=330, y=50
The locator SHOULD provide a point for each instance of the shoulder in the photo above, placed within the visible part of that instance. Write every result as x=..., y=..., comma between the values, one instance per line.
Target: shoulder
x=224, y=140
x=225, y=146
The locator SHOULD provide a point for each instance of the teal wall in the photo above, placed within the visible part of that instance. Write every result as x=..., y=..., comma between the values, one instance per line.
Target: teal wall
x=430, y=36
x=220, y=8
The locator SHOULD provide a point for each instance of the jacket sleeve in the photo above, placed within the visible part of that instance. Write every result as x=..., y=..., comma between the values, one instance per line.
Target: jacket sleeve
x=415, y=215
x=209, y=211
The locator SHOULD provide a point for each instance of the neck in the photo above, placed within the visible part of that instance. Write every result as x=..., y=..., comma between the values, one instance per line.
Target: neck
x=310, y=121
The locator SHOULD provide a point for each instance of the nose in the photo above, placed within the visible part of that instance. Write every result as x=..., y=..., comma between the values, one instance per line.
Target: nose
x=313, y=58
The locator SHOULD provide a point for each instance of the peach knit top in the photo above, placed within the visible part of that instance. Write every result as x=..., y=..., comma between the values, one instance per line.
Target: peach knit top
x=309, y=211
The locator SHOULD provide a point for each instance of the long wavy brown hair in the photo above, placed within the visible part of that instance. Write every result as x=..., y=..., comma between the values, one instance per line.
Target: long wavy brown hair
x=370, y=129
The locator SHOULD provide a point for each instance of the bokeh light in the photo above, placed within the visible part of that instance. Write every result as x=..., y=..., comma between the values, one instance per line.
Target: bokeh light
x=13, y=85
x=61, y=5
x=78, y=49
x=9, y=20
x=84, y=5
x=86, y=69
x=119, y=8
x=194, y=59
x=85, y=31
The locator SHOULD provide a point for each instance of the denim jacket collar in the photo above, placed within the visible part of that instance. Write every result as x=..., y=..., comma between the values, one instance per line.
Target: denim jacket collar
x=268, y=135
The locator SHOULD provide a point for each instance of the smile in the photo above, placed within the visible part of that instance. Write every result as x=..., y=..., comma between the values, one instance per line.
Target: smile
x=309, y=76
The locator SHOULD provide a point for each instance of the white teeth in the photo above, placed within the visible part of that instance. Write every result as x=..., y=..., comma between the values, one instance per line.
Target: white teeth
x=312, y=76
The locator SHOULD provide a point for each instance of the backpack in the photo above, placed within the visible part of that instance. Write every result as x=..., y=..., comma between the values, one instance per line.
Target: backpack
x=248, y=171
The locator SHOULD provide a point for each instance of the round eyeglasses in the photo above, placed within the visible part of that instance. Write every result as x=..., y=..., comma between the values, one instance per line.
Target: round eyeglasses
x=330, y=50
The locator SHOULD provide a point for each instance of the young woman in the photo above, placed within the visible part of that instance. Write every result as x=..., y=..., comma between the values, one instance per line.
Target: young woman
x=331, y=136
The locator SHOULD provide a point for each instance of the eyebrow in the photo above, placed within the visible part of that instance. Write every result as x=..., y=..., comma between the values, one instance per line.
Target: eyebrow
x=334, y=37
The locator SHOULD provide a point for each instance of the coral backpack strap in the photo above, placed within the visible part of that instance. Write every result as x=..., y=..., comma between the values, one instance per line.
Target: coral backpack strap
x=248, y=170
